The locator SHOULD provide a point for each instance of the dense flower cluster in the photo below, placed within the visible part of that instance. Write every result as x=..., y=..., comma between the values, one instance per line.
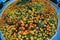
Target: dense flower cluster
x=30, y=21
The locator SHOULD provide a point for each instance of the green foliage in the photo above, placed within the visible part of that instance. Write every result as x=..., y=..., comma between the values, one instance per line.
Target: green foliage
x=24, y=1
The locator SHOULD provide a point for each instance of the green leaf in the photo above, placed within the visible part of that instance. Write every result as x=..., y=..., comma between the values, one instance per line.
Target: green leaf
x=52, y=21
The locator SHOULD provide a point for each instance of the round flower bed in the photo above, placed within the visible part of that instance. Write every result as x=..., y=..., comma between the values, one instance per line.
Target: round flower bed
x=29, y=20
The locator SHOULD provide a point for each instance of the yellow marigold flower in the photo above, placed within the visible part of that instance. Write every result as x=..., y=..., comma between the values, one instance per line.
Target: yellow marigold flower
x=32, y=32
